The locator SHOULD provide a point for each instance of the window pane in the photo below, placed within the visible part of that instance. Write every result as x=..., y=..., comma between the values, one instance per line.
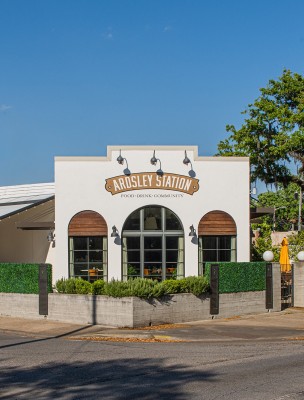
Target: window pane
x=172, y=222
x=151, y=256
x=171, y=255
x=209, y=242
x=172, y=242
x=154, y=243
x=152, y=218
x=95, y=243
x=133, y=222
x=224, y=255
x=133, y=270
x=134, y=256
x=95, y=256
x=132, y=243
x=209, y=255
x=224, y=242
x=80, y=256
x=80, y=269
x=80, y=243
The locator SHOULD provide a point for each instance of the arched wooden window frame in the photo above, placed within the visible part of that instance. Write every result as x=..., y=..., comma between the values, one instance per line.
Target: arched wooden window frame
x=217, y=224
x=87, y=225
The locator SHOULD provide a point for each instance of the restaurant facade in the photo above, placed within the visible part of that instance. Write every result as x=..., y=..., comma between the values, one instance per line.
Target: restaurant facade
x=149, y=211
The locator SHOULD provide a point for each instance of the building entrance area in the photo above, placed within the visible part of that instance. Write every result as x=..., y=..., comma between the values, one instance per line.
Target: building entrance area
x=153, y=244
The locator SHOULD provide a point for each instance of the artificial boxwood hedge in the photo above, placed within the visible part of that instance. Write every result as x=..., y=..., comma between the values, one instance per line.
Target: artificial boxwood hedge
x=22, y=278
x=240, y=276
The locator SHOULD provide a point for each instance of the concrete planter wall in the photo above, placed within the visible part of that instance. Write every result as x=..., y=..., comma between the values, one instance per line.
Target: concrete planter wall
x=131, y=311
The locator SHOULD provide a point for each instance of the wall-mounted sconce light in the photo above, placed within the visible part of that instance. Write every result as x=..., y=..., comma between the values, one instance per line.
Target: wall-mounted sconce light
x=192, y=231
x=187, y=161
x=153, y=161
x=114, y=231
x=120, y=159
x=51, y=238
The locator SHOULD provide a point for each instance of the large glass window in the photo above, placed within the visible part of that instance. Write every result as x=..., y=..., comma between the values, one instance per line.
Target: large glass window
x=88, y=257
x=153, y=245
x=216, y=249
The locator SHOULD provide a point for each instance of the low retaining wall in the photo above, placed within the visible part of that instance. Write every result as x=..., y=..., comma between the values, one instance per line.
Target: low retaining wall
x=131, y=311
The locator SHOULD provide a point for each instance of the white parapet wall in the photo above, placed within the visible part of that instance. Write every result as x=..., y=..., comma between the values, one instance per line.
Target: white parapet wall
x=131, y=311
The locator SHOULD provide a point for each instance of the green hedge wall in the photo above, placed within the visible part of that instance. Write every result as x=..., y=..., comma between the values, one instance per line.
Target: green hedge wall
x=240, y=277
x=22, y=278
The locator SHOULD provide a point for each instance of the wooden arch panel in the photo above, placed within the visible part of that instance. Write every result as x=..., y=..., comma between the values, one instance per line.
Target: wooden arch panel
x=88, y=223
x=216, y=223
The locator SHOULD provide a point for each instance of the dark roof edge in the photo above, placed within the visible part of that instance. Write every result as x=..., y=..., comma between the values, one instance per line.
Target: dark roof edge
x=37, y=203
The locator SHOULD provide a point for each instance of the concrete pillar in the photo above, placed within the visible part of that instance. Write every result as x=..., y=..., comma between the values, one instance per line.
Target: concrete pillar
x=276, y=282
x=298, y=284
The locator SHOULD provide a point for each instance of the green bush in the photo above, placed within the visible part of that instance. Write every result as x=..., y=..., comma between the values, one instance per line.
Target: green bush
x=98, y=287
x=83, y=287
x=172, y=286
x=117, y=289
x=138, y=287
x=60, y=285
x=240, y=277
x=22, y=278
x=70, y=286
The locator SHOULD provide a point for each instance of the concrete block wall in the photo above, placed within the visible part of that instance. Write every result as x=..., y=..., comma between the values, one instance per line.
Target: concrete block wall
x=276, y=284
x=233, y=304
x=130, y=311
x=298, y=284
x=86, y=309
x=19, y=305
x=182, y=307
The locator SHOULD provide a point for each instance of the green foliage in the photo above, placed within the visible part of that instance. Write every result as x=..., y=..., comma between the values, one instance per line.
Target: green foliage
x=284, y=204
x=263, y=242
x=22, y=278
x=273, y=133
x=240, y=277
x=143, y=288
x=98, y=287
x=295, y=245
x=83, y=287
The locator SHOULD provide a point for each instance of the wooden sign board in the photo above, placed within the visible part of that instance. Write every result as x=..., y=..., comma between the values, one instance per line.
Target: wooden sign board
x=152, y=180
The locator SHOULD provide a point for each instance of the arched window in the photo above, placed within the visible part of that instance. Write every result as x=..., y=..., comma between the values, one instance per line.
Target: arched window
x=217, y=238
x=88, y=246
x=152, y=244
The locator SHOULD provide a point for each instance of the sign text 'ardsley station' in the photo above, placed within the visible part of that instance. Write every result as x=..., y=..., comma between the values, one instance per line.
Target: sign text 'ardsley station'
x=151, y=180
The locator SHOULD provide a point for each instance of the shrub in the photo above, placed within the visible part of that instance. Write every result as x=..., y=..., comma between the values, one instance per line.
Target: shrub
x=172, y=286
x=70, y=286
x=98, y=287
x=117, y=289
x=60, y=285
x=83, y=287
x=139, y=287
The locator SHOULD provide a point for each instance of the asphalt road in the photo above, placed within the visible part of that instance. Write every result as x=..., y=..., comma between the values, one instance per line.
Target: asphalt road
x=60, y=368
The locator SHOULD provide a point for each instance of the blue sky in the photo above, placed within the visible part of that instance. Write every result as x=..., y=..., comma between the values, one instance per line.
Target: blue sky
x=78, y=75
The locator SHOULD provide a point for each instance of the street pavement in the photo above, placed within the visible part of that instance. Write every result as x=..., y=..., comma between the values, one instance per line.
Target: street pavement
x=284, y=325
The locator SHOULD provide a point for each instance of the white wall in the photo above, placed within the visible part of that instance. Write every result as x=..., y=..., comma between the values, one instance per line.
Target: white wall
x=80, y=185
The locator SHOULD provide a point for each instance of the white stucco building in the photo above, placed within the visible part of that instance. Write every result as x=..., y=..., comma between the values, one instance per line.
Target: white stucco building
x=154, y=212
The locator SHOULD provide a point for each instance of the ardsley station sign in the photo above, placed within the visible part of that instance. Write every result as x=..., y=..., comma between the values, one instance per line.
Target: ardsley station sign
x=152, y=180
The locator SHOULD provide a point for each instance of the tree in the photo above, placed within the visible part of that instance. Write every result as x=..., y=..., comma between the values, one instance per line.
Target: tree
x=284, y=204
x=273, y=133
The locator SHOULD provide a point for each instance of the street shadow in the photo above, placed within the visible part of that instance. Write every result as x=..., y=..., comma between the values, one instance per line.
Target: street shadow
x=135, y=378
x=44, y=339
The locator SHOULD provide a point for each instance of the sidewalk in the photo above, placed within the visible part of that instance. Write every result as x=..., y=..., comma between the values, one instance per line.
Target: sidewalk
x=284, y=325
